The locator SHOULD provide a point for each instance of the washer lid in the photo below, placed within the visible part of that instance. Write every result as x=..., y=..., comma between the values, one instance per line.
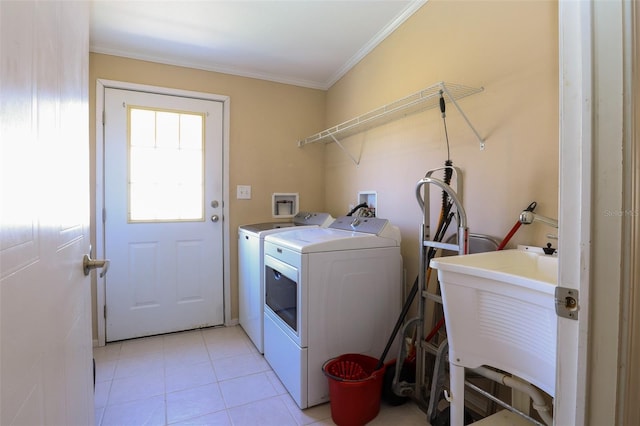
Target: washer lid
x=315, y=240
x=267, y=226
x=305, y=219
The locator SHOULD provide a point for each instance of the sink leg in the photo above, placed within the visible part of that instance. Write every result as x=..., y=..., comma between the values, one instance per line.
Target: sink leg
x=456, y=377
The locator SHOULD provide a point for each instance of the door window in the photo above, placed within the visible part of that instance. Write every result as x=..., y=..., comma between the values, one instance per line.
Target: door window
x=166, y=172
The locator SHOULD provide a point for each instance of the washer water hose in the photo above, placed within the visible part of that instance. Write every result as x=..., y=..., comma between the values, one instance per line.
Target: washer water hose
x=513, y=382
x=356, y=208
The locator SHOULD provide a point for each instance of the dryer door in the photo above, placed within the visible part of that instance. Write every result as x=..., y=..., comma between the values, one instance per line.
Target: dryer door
x=283, y=296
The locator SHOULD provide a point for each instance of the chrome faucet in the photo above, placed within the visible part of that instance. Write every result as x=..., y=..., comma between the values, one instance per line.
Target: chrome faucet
x=527, y=217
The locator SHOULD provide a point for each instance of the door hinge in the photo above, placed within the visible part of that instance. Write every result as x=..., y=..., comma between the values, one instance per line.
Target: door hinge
x=104, y=312
x=104, y=215
x=567, y=302
x=103, y=117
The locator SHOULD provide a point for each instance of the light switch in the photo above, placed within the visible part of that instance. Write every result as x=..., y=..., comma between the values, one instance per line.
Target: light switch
x=243, y=192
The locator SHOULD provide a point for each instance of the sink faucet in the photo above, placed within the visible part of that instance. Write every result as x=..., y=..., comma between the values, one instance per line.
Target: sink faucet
x=528, y=217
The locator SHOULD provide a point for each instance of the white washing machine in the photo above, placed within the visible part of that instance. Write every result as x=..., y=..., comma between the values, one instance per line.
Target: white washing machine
x=328, y=292
x=251, y=269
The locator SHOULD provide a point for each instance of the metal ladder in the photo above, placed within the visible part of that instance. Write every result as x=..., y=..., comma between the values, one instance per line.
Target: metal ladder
x=428, y=398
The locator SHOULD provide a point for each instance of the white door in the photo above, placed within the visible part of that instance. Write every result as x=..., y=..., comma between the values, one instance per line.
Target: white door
x=45, y=298
x=163, y=213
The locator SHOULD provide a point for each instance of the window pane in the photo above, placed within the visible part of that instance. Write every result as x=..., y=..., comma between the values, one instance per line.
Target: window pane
x=167, y=129
x=143, y=202
x=191, y=132
x=143, y=127
x=189, y=167
x=166, y=167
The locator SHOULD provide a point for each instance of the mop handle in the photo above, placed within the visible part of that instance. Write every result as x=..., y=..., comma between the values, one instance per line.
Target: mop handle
x=515, y=228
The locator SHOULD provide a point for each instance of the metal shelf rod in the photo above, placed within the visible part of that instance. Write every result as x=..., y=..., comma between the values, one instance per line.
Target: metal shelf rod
x=419, y=101
x=356, y=162
x=444, y=88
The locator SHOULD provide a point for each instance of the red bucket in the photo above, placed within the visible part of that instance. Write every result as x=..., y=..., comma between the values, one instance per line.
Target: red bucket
x=354, y=388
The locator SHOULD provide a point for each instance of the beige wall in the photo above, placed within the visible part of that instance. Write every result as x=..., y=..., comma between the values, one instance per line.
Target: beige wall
x=510, y=49
x=266, y=120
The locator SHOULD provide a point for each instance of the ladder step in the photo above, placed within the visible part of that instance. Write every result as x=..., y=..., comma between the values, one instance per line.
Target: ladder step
x=445, y=246
x=429, y=347
x=431, y=296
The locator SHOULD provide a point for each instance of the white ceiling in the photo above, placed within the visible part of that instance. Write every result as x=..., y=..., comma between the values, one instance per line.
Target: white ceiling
x=309, y=43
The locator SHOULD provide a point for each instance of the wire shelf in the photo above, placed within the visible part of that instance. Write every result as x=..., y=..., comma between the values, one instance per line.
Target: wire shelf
x=424, y=99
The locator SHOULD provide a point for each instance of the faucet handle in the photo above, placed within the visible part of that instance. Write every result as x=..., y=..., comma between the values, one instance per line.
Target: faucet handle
x=526, y=217
x=548, y=249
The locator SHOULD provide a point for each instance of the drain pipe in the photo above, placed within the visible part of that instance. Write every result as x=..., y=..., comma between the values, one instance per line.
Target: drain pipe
x=513, y=382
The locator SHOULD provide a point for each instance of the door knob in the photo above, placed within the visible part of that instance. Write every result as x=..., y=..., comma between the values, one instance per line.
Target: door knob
x=214, y=218
x=88, y=264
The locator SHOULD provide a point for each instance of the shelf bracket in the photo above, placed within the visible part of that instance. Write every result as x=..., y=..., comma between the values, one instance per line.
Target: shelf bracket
x=419, y=101
x=452, y=99
x=356, y=162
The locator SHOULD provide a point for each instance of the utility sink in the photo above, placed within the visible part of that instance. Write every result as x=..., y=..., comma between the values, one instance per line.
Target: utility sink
x=500, y=312
x=518, y=267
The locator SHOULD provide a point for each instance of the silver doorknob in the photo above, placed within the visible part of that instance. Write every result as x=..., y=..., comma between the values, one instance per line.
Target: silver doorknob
x=215, y=218
x=88, y=264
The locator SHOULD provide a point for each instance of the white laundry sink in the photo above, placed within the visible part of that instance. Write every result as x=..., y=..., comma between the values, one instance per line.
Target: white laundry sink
x=500, y=311
x=518, y=267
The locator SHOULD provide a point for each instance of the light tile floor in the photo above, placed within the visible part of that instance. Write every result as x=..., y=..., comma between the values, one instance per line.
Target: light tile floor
x=212, y=376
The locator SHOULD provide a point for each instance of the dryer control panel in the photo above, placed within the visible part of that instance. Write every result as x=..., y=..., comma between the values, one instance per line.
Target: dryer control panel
x=368, y=225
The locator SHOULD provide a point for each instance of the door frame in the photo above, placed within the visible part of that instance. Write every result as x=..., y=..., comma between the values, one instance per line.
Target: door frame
x=596, y=87
x=101, y=86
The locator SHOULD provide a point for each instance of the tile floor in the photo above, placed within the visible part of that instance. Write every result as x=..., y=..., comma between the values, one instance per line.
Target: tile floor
x=212, y=376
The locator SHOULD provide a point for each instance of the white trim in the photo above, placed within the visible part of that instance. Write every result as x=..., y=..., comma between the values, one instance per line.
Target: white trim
x=232, y=322
x=594, y=142
x=576, y=134
x=99, y=200
x=607, y=262
x=113, y=84
x=101, y=85
x=210, y=67
x=629, y=370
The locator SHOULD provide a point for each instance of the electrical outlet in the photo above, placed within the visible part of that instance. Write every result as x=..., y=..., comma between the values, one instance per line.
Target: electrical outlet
x=243, y=192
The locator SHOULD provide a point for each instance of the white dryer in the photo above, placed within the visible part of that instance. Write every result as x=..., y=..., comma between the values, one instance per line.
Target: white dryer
x=329, y=291
x=251, y=269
